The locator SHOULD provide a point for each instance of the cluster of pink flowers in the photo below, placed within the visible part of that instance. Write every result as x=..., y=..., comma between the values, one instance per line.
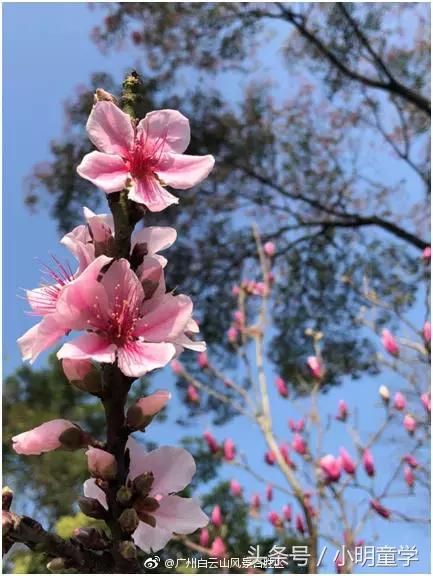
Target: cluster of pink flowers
x=126, y=314
x=127, y=319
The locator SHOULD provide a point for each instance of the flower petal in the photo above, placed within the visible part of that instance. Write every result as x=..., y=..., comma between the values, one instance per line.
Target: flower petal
x=151, y=539
x=121, y=285
x=138, y=358
x=149, y=192
x=167, y=320
x=83, y=302
x=101, y=226
x=91, y=490
x=151, y=275
x=165, y=130
x=89, y=346
x=40, y=337
x=180, y=515
x=172, y=467
x=110, y=129
x=156, y=238
x=183, y=171
x=106, y=171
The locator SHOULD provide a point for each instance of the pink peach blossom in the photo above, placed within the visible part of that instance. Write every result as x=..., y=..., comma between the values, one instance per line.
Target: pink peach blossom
x=269, y=249
x=315, y=367
x=229, y=450
x=203, y=360
x=426, y=254
x=173, y=469
x=144, y=159
x=204, y=537
x=270, y=458
x=218, y=548
x=331, y=467
x=284, y=449
x=275, y=519
x=296, y=426
x=299, y=445
x=411, y=460
x=235, y=488
x=269, y=493
x=380, y=509
x=409, y=423
x=216, y=517
x=87, y=241
x=390, y=343
x=238, y=317
x=299, y=523
x=409, y=476
x=43, y=302
x=281, y=387
x=136, y=324
x=368, y=462
x=211, y=442
x=43, y=438
x=399, y=401
x=426, y=401
x=176, y=366
x=101, y=464
x=426, y=332
x=347, y=463
x=232, y=334
x=287, y=512
x=256, y=502
x=342, y=411
x=192, y=394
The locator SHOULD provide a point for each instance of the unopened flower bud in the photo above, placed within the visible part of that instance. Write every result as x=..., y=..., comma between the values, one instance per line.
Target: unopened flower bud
x=141, y=413
x=143, y=483
x=91, y=507
x=7, y=496
x=128, y=550
x=73, y=438
x=101, y=464
x=91, y=538
x=129, y=520
x=56, y=565
x=384, y=394
x=124, y=495
x=146, y=503
x=103, y=95
x=269, y=249
x=83, y=374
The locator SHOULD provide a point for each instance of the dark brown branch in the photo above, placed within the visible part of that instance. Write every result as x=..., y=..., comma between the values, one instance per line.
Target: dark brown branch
x=343, y=219
x=25, y=530
x=392, y=85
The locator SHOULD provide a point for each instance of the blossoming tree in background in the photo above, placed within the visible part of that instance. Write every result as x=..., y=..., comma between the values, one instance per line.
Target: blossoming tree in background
x=130, y=325
x=329, y=497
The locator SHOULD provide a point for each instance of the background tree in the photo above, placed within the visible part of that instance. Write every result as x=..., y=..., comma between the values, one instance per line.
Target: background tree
x=348, y=77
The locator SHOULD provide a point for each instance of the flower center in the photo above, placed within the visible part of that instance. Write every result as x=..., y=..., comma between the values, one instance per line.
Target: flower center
x=145, y=157
x=123, y=317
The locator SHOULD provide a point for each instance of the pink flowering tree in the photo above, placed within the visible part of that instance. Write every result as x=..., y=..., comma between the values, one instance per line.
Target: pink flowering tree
x=128, y=325
x=329, y=492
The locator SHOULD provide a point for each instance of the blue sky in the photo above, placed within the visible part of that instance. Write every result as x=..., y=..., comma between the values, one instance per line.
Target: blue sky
x=47, y=53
